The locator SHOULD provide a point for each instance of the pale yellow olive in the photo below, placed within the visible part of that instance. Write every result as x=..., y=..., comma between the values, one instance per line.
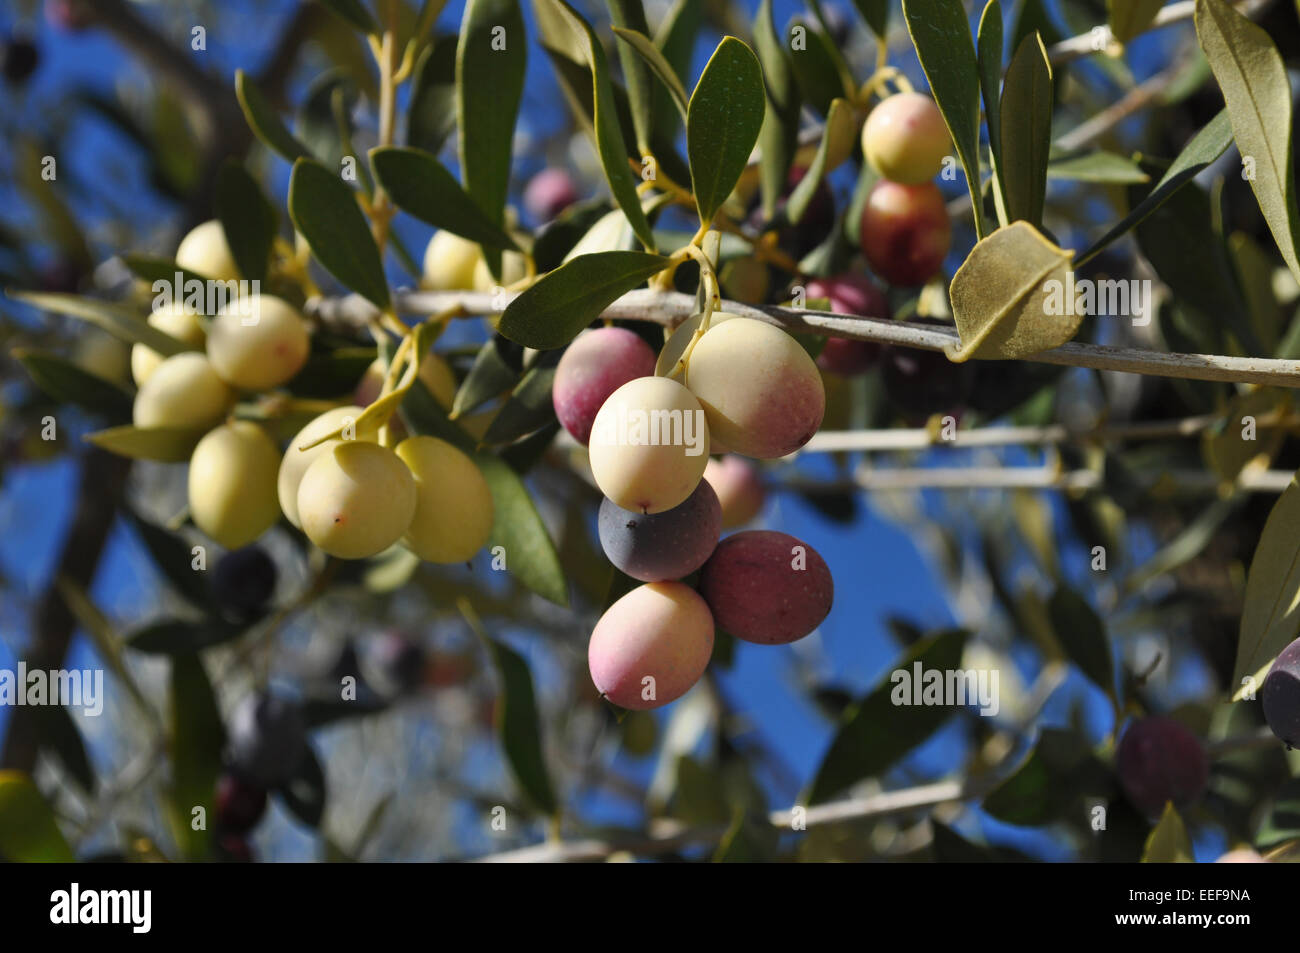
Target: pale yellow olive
x=185, y=392
x=103, y=355
x=649, y=445
x=175, y=320
x=356, y=499
x=258, y=343
x=513, y=269
x=232, y=483
x=449, y=262
x=296, y=461
x=453, y=506
x=760, y=390
x=205, y=252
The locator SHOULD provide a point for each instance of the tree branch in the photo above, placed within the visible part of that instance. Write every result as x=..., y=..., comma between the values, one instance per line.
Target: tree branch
x=670, y=308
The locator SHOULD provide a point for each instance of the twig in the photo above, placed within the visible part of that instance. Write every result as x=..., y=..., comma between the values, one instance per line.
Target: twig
x=1030, y=478
x=1100, y=39
x=671, y=308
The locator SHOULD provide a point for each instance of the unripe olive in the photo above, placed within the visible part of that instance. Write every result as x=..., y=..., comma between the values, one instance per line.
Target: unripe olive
x=596, y=364
x=906, y=232
x=175, y=320
x=649, y=445
x=549, y=193
x=513, y=269
x=103, y=355
x=449, y=262
x=232, y=483
x=453, y=504
x=651, y=646
x=767, y=587
x=849, y=293
x=905, y=139
x=1279, y=696
x=356, y=499
x=185, y=392
x=296, y=461
x=739, y=487
x=258, y=343
x=205, y=252
x=662, y=546
x=760, y=390
x=746, y=280
x=1160, y=760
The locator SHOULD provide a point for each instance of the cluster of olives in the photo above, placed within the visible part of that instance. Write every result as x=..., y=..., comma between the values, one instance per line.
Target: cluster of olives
x=649, y=439
x=351, y=495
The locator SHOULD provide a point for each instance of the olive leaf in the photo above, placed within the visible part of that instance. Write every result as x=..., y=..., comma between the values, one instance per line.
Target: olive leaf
x=65, y=382
x=519, y=726
x=1169, y=842
x=779, y=136
x=165, y=444
x=1255, y=87
x=29, y=832
x=1026, y=131
x=723, y=120
x=431, y=114
x=989, y=41
x=421, y=186
x=675, y=39
x=629, y=16
x=1227, y=451
x=248, y=219
x=196, y=738
x=1270, y=617
x=1128, y=18
x=121, y=322
x=1013, y=296
x=1100, y=166
x=644, y=47
x=325, y=211
x=836, y=146
x=262, y=119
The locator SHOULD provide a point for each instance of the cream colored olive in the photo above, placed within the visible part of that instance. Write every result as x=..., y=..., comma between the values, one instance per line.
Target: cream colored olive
x=98, y=352
x=232, y=483
x=206, y=252
x=356, y=500
x=435, y=373
x=258, y=343
x=449, y=262
x=649, y=445
x=678, y=341
x=760, y=390
x=296, y=462
x=175, y=320
x=453, y=505
x=513, y=269
x=184, y=392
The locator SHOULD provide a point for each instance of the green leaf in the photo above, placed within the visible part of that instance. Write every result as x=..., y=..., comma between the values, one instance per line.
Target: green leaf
x=325, y=211
x=990, y=42
x=119, y=321
x=1128, y=18
x=431, y=114
x=28, y=831
x=875, y=732
x=1026, y=131
x=1282, y=822
x=815, y=72
x=195, y=741
x=552, y=312
x=629, y=16
x=527, y=547
x=419, y=185
x=355, y=13
x=493, y=373
x=675, y=39
x=836, y=146
x=606, y=129
x=248, y=219
x=1101, y=167
x=1169, y=842
x=1054, y=777
x=1083, y=636
x=490, y=62
x=529, y=408
x=1001, y=296
x=60, y=737
x=943, y=43
x=1206, y=146
x=725, y=116
x=519, y=727
x=779, y=136
x=154, y=269
x=876, y=13
x=1270, y=617
x=66, y=383
x=164, y=444
x=329, y=374
x=644, y=47
x=180, y=637
x=174, y=559
x=1259, y=102
x=263, y=120
x=324, y=121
